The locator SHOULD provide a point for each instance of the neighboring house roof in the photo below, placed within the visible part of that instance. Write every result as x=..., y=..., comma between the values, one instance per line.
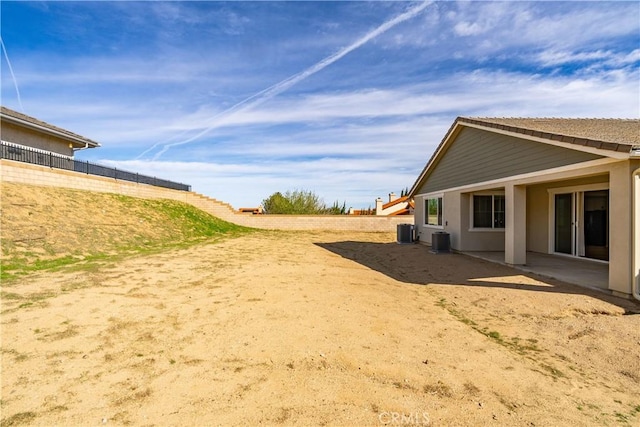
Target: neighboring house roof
x=403, y=206
x=615, y=137
x=23, y=120
x=395, y=202
x=405, y=211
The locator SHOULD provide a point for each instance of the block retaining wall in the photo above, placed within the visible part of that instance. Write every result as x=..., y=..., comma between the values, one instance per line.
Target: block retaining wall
x=11, y=171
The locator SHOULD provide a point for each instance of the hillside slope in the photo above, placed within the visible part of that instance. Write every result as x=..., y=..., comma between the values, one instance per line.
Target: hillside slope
x=43, y=226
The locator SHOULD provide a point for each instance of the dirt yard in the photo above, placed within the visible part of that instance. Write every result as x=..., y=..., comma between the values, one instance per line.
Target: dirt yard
x=314, y=329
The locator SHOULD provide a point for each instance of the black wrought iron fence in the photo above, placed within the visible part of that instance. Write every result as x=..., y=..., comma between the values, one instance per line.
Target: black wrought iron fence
x=57, y=161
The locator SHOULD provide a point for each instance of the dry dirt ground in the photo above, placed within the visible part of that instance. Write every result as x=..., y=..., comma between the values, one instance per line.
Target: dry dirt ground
x=277, y=328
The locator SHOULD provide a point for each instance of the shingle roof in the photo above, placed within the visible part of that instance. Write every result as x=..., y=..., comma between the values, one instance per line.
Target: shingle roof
x=618, y=135
x=607, y=134
x=16, y=117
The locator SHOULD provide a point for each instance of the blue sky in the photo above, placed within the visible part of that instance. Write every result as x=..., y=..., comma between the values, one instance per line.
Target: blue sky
x=348, y=99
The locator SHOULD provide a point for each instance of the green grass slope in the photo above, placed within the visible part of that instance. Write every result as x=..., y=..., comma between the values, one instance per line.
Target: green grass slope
x=46, y=227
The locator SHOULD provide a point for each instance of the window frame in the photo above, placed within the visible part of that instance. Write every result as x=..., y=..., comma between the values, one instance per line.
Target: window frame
x=439, y=198
x=472, y=211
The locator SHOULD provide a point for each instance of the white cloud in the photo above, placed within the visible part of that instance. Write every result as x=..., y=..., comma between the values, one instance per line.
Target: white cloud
x=360, y=116
x=600, y=58
x=468, y=28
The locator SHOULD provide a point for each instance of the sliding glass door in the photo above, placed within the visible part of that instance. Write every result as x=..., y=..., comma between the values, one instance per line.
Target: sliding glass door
x=564, y=224
x=581, y=224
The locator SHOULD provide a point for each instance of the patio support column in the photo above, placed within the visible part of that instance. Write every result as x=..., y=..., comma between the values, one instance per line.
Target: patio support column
x=515, y=233
x=635, y=272
x=620, y=228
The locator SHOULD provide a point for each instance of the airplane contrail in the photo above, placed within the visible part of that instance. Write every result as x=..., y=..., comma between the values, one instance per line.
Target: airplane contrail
x=276, y=89
x=13, y=76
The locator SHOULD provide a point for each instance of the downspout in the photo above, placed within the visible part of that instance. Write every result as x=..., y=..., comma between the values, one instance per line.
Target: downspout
x=635, y=262
x=86, y=145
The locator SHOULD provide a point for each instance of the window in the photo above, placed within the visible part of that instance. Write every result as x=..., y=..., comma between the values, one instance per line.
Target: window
x=488, y=211
x=433, y=211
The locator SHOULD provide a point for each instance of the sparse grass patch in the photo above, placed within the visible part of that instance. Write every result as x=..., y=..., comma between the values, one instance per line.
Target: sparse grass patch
x=439, y=389
x=18, y=419
x=56, y=408
x=284, y=415
x=133, y=397
x=512, y=406
x=36, y=299
x=20, y=357
x=471, y=388
x=120, y=226
x=495, y=335
x=403, y=385
x=554, y=372
x=10, y=296
x=514, y=343
x=69, y=332
x=17, y=356
x=623, y=418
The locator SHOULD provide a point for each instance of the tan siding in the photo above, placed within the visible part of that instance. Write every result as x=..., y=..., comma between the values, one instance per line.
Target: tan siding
x=478, y=156
x=22, y=136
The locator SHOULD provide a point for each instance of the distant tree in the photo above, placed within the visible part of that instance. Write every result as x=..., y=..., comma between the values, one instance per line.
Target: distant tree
x=277, y=203
x=300, y=202
x=405, y=192
x=336, y=209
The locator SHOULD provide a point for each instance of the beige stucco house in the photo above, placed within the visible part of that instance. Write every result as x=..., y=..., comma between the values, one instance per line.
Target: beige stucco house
x=20, y=130
x=567, y=187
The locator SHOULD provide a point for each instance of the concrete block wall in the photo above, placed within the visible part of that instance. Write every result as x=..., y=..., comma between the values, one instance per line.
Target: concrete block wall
x=11, y=171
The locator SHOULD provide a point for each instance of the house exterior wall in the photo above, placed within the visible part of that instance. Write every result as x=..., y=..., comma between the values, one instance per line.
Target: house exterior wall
x=457, y=216
x=418, y=222
x=458, y=166
x=456, y=221
x=621, y=276
x=617, y=176
x=30, y=138
x=538, y=218
x=477, y=240
x=538, y=209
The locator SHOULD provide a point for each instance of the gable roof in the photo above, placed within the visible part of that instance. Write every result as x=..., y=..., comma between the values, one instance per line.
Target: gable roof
x=405, y=209
x=610, y=137
x=606, y=134
x=23, y=120
x=395, y=202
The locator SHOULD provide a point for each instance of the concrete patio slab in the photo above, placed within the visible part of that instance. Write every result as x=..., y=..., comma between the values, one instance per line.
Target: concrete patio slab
x=578, y=271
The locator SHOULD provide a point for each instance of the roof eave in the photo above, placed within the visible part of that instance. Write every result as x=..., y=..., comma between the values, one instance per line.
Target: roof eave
x=453, y=130
x=602, y=148
x=79, y=142
x=594, y=146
